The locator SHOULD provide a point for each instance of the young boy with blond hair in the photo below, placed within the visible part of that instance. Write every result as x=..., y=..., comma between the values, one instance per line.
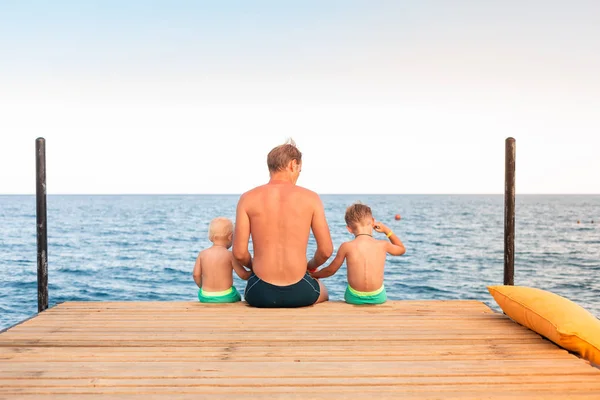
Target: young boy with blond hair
x=364, y=256
x=213, y=270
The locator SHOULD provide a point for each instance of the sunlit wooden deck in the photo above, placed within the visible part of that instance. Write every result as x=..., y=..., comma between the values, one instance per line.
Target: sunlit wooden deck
x=404, y=349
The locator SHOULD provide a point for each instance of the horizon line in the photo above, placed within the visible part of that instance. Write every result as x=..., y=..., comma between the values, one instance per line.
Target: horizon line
x=320, y=194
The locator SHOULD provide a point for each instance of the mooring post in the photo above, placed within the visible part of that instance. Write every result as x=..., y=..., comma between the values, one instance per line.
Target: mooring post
x=509, y=212
x=42, y=227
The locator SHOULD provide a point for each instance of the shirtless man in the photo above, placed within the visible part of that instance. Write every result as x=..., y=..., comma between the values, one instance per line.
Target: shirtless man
x=279, y=216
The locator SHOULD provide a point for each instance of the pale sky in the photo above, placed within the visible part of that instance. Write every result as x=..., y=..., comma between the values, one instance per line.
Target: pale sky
x=380, y=96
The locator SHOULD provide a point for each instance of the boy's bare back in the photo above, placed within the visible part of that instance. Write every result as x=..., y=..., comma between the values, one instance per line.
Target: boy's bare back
x=365, y=261
x=214, y=266
x=217, y=267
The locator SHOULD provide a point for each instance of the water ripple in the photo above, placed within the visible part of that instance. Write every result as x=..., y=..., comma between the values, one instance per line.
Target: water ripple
x=144, y=247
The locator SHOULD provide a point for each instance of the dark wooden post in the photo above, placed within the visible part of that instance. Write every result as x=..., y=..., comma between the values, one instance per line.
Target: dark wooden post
x=509, y=212
x=42, y=227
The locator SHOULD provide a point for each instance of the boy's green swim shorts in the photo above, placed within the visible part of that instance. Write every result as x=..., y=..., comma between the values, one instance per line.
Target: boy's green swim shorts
x=352, y=296
x=230, y=295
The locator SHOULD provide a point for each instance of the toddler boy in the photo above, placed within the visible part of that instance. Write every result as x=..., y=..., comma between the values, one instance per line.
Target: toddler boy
x=213, y=270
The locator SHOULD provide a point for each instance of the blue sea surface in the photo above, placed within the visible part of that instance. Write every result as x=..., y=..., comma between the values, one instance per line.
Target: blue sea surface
x=143, y=247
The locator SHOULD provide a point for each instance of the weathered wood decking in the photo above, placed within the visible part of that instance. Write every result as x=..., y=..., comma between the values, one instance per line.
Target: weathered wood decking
x=405, y=349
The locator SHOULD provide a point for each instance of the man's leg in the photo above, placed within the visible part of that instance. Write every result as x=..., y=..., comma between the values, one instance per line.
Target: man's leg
x=324, y=296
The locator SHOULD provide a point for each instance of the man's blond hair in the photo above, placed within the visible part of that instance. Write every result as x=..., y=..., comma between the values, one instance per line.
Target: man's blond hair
x=357, y=213
x=220, y=228
x=279, y=158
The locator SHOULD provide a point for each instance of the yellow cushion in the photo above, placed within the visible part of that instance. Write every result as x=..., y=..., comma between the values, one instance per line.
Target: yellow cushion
x=552, y=316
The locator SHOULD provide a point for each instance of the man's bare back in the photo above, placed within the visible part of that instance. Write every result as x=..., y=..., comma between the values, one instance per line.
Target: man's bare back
x=279, y=217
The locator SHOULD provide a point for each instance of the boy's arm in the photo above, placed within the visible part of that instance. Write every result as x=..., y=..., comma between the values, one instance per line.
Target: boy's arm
x=239, y=270
x=334, y=266
x=197, y=274
x=241, y=237
x=395, y=247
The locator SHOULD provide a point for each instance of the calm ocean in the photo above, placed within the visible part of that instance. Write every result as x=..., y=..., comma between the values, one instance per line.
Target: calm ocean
x=144, y=247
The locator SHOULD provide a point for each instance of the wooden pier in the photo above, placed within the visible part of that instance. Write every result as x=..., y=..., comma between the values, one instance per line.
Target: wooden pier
x=169, y=350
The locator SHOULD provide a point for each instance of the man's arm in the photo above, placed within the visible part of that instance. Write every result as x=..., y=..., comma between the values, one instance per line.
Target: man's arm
x=323, y=238
x=334, y=266
x=241, y=237
x=197, y=274
x=395, y=247
x=239, y=270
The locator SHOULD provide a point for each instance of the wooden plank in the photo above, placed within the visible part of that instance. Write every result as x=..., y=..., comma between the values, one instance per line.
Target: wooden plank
x=284, y=352
x=305, y=386
x=456, y=305
x=416, y=349
x=247, y=324
x=279, y=369
x=312, y=384
x=296, y=393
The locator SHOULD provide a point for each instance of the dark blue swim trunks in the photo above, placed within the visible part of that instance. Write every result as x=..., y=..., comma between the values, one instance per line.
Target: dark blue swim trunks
x=262, y=294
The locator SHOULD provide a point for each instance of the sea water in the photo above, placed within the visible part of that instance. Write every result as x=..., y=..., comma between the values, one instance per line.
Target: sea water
x=143, y=247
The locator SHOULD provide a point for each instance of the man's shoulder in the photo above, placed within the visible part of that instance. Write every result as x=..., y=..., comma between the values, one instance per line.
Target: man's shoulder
x=298, y=190
x=305, y=190
x=252, y=192
x=307, y=194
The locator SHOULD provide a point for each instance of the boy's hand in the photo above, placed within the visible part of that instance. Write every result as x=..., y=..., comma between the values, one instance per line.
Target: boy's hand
x=381, y=227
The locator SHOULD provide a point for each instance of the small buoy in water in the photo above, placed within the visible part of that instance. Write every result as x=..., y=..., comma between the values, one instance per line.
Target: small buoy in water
x=397, y=217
